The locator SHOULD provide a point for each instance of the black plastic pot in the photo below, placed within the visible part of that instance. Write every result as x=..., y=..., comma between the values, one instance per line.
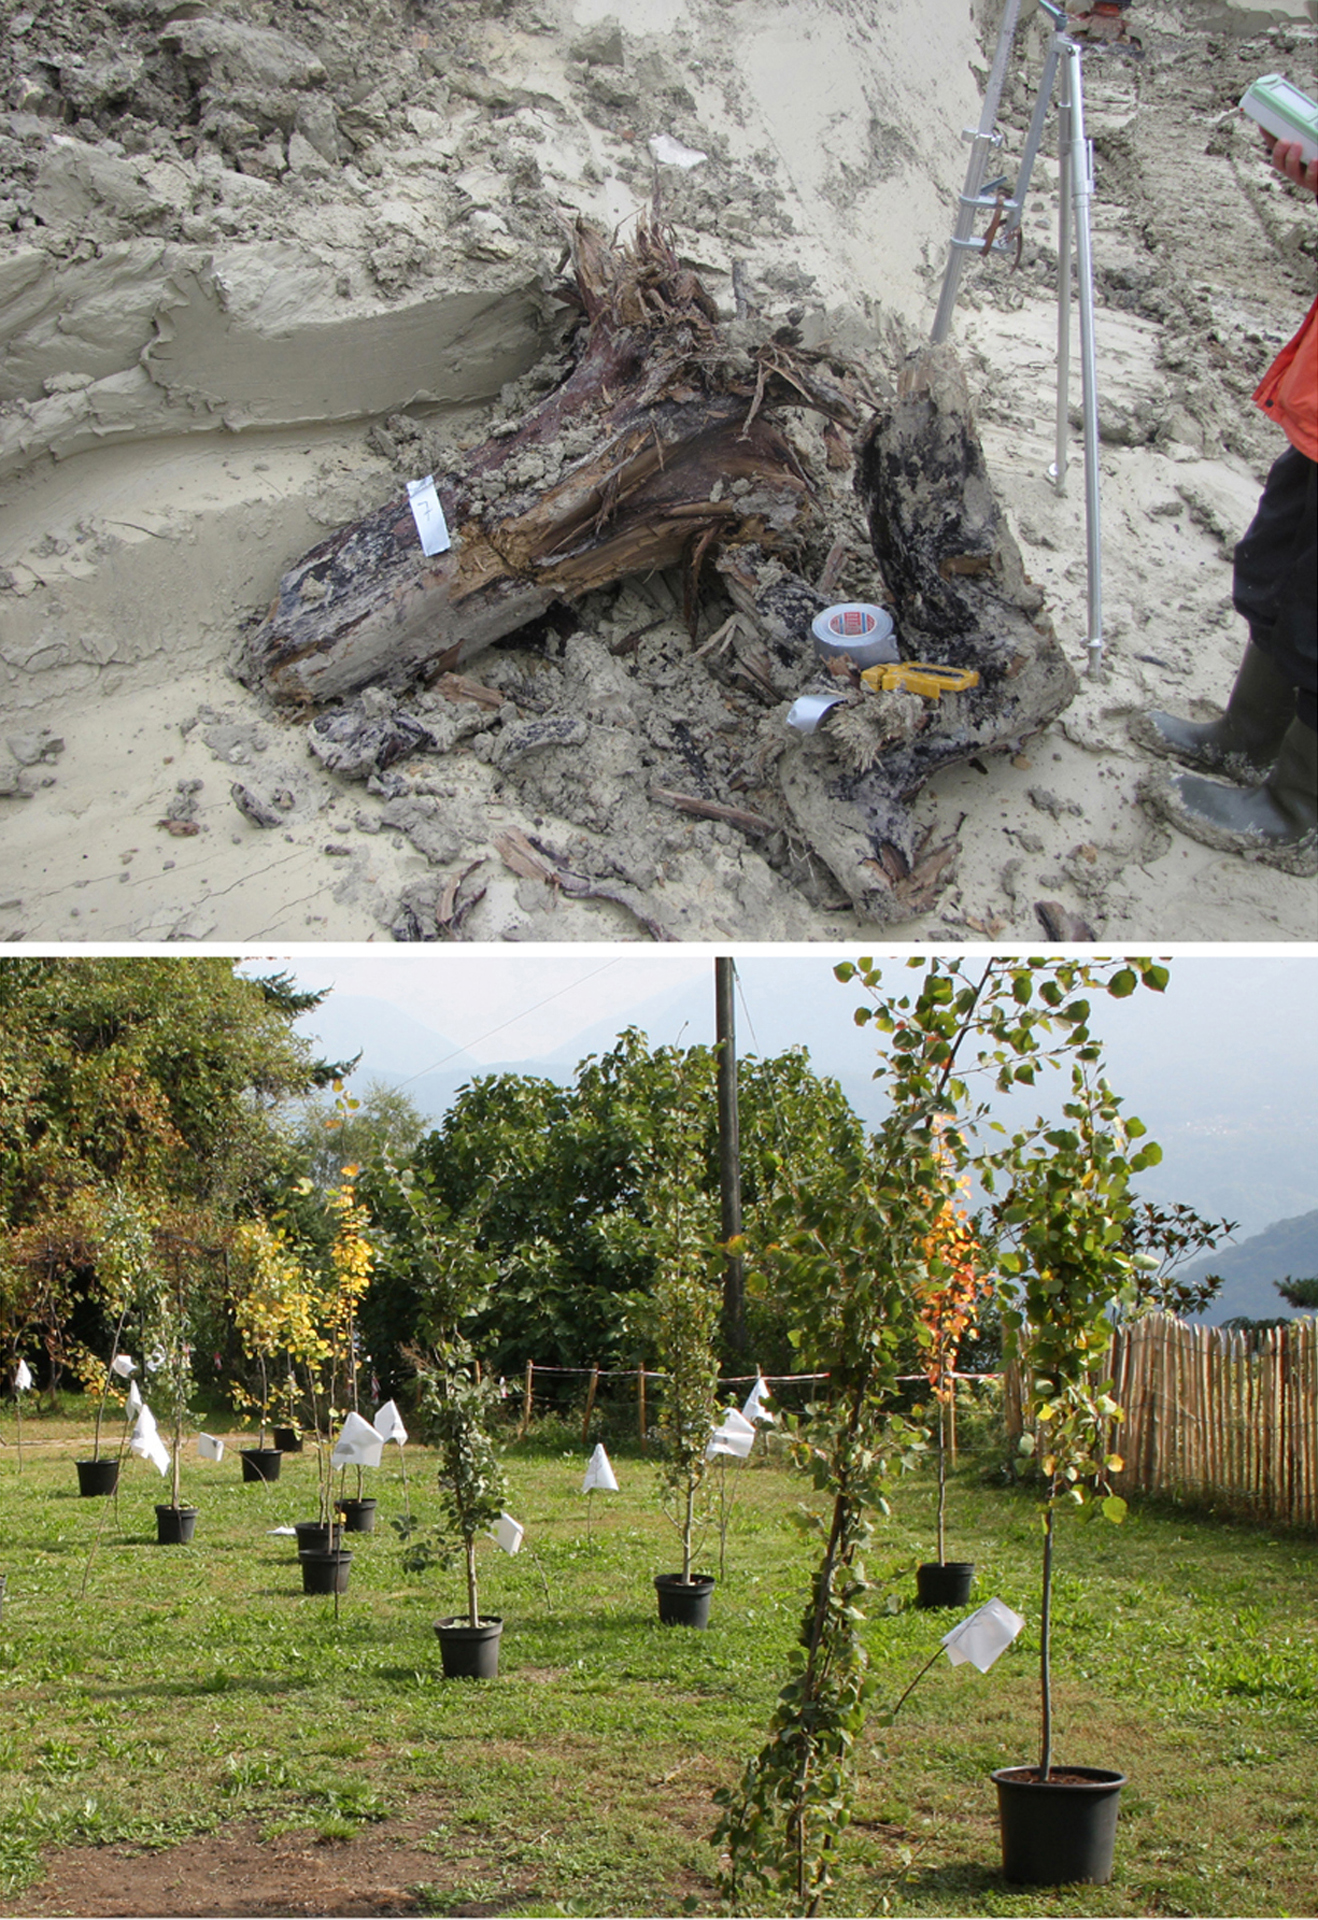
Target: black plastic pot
x=467, y=1652
x=1061, y=1831
x=325, y=1570
x=943, y=1583
x=317, y=1536
x=260, y=1463
x=175, y=1526
x=358, y=1515
x=684, y=1603
x=288, y=1439
x=96, y=1477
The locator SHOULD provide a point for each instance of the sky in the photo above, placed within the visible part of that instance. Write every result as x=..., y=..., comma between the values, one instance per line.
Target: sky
x=1223, y=1067
x=507, y=1004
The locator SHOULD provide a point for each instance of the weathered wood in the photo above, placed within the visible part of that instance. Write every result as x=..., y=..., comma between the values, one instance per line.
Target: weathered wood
x=659, y=447
x=962, y=600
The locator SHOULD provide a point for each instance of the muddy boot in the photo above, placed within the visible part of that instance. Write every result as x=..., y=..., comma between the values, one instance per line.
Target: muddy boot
x=1245, y=742
x=1277, y=822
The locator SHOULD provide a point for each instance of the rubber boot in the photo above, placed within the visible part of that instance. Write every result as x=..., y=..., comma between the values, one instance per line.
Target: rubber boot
x=1244, y=743
x=1276, y=823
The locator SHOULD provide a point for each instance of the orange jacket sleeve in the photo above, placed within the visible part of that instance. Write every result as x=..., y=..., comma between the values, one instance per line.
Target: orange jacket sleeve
x=1288, y=390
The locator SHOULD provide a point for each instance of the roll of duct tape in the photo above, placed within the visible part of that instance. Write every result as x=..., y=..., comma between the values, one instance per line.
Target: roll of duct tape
x=861, y=631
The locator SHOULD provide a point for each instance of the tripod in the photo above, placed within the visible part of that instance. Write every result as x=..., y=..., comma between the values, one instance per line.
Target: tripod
x=1076, y=170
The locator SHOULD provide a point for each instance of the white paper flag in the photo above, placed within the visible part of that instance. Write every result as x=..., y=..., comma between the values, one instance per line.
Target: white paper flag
x=389, y=1423
x=123, y=1366
x=209, y=1448
x=599, y=1473
x=146, y=1442
x=983, y=1635
x=431, y=526
x=22, y=1377
x=507, y=1533
x=735, y=1437
x=135, y=1401
x=359, y=1445
x=755, y=1408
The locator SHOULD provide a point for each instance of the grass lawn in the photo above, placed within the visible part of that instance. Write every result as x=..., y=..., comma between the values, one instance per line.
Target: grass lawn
x=196, y=1687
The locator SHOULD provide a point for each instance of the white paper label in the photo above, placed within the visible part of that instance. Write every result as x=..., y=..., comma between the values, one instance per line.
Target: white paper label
x=429, y=515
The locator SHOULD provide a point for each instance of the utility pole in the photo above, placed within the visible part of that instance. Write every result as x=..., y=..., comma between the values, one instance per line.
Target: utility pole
x=729, y=1156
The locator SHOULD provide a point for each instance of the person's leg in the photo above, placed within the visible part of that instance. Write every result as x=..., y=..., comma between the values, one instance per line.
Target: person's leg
x=1276, y=592
x=1243, y=743
x=1275, y=588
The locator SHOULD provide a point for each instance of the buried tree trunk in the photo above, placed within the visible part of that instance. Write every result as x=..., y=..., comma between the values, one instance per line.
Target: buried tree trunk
x=657, y=447
x=665, y=444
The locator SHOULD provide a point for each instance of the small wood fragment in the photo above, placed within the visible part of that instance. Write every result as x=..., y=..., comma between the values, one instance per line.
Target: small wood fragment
x=714, y=810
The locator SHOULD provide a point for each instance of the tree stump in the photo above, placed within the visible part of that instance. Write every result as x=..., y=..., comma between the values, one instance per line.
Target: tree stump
x=962, y=600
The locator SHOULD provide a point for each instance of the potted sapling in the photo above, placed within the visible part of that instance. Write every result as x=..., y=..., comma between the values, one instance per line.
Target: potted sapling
x=1065, y=1215
x=686, y=1316
x=947, y=1305
x=459, y=1407
x=419, y=1240
x=352, y=1260
x=266, y=1288
x=97, y=1476
x=127, y=1278
x=175, y=1522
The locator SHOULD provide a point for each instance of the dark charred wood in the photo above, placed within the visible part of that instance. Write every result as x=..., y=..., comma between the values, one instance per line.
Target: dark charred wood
x=962, y=600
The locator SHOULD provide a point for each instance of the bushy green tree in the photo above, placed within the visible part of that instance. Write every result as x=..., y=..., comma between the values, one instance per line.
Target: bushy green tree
x=551, y=1181
x=155, y=1079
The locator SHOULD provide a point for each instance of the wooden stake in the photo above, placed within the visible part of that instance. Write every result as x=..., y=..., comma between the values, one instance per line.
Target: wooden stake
x=526, y=1399
x=640, y=1400
x=590, y=1404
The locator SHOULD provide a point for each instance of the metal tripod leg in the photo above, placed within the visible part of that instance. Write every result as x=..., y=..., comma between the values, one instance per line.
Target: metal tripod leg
x=1077, y=186
x=983, y=143
x=1075, y=190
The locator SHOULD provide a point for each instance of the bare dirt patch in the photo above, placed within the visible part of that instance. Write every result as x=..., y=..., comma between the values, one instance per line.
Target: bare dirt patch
x=381, y=1870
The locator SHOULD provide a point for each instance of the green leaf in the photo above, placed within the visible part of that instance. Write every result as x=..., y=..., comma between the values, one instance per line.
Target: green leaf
x=1123, y=983
x=1114, y=1509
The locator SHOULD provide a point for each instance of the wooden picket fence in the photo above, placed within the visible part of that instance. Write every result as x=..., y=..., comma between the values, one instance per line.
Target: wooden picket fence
x=1214, y=1416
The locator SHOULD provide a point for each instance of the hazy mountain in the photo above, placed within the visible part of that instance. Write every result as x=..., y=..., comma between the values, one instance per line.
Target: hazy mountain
x=396, y=1047
x=1250, y=1269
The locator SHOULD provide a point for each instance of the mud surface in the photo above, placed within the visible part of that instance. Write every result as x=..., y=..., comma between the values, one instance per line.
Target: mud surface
x=259, y=266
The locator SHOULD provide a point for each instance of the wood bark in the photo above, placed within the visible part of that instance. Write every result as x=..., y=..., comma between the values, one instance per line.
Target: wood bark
x=660, y=446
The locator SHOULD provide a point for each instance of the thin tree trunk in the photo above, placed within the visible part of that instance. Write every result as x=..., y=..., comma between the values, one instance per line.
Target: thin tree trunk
x=1045, y=1647
x=473, y=1604
x=942, y=1482
x=729, y=1152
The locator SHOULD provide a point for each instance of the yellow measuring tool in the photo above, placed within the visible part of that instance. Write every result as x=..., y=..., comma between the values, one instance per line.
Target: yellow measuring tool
x=919, y=676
